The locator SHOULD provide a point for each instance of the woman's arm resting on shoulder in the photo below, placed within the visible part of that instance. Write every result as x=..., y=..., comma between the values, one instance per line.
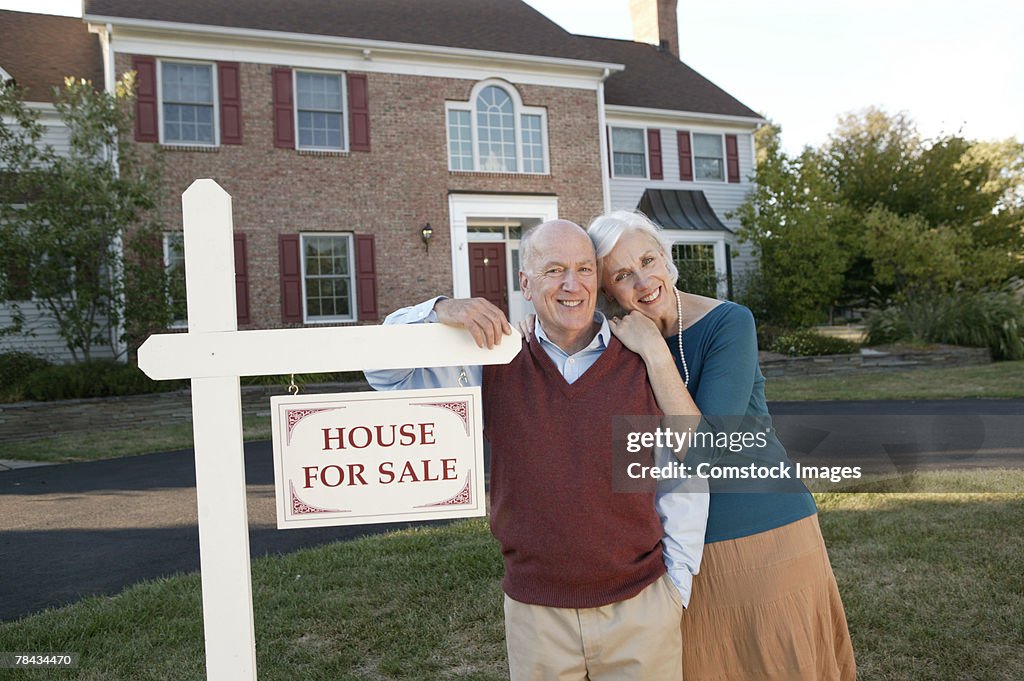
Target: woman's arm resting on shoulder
x=641, y=335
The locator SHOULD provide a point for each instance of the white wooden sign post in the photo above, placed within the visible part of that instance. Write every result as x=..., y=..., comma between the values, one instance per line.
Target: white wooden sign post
x=214, y=354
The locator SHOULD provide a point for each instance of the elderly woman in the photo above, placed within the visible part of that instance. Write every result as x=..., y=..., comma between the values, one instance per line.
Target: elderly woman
x=765, y=605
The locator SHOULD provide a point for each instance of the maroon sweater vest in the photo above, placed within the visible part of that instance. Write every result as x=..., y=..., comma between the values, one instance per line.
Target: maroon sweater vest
x=568, y=540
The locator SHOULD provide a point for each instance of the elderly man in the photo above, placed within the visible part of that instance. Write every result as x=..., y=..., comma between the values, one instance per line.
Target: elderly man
x=586, y=590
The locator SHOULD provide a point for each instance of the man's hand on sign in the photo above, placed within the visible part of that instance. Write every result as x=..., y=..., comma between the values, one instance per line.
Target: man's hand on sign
x=484, y=321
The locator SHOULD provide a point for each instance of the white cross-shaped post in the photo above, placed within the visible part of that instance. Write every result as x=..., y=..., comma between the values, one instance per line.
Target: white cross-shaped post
x=214, y=354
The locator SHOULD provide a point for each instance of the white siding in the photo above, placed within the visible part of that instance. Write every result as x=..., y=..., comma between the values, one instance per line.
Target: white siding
x=56, y=133
x=46, y=342
x=724, y=197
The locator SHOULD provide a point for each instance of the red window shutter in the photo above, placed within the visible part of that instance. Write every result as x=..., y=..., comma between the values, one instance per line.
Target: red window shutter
x=685, y=155
x=358, y=112
x=290, y=247
x=241, y=279
x=284, y=114
x=366, y=277
x=732, y=158
x=654, y=153
x=146, y=119
x=230, y=102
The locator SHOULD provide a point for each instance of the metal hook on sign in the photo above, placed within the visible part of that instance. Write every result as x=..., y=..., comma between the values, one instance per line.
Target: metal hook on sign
x=463, y=378
x=293, y=389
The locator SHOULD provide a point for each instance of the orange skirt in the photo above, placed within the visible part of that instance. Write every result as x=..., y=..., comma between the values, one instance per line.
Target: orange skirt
x=766, y=608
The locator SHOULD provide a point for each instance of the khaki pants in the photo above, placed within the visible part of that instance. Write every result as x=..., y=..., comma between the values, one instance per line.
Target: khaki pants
x=634, y=639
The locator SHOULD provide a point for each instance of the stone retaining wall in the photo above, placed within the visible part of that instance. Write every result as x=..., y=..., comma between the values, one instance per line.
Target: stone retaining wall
x=33, y=420
x=873, y=359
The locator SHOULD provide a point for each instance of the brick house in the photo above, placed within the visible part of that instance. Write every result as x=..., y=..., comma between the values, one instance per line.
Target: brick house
x=381, y=152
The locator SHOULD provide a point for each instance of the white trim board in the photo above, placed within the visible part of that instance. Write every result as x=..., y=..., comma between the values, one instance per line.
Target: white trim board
x=461, y=207
x=193, y=41
x=642, y=115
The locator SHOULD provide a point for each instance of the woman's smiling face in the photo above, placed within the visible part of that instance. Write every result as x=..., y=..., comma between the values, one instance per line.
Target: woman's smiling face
x=636, y=275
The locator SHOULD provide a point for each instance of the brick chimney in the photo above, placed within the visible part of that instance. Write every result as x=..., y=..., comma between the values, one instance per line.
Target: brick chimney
x=654, y=22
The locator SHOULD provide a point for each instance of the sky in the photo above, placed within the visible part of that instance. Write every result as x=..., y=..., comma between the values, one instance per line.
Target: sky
x=952, y=66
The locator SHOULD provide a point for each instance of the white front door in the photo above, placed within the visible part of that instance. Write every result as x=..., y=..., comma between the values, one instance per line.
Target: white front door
x=495, y=219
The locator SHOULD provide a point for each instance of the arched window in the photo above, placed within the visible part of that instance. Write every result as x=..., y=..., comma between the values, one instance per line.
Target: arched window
x=494, y=132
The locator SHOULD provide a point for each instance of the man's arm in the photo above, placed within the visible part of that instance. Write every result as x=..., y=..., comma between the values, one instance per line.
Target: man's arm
x=481, y=318
x=682, y=506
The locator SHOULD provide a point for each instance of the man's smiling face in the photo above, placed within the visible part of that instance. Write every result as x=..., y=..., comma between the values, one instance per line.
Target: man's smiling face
x=560, y=278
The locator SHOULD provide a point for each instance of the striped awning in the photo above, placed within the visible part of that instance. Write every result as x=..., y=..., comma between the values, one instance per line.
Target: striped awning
x=680, y=209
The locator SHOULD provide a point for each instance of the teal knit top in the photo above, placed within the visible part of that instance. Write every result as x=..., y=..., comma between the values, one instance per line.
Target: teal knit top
x=725, y=380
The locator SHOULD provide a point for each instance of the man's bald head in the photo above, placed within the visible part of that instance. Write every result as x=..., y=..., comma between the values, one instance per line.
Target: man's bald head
x=553, y=230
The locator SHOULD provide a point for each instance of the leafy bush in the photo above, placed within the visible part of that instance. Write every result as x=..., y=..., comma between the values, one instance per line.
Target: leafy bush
x=303, y=379
x=99, y=378
x=810, y=343
x=767, y=334
x=984, y=319
x=16, y=366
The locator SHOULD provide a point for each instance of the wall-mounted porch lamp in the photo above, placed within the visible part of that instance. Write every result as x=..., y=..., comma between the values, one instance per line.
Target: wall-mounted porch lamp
x=426, y=233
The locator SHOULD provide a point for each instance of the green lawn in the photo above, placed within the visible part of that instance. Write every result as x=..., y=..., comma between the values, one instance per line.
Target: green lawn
x=109, y=444
x=931, y=582
x=999, y=379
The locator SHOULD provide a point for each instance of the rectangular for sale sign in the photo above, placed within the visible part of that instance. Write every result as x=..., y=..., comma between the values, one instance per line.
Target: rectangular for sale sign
x=377, y=457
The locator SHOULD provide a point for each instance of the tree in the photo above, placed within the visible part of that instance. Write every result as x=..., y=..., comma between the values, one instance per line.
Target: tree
x=948, y=192
x=65, y=213
x=788, y=219
x=880, y=214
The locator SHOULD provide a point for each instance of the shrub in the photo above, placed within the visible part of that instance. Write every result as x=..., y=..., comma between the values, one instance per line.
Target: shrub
x=304, y=379
x=16, y=366
x=809, y=343
x=99, y=378
x=983, y=319
x=767, y=334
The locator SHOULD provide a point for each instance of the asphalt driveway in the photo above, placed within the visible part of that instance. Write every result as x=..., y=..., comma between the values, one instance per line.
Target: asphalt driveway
x=81, y=529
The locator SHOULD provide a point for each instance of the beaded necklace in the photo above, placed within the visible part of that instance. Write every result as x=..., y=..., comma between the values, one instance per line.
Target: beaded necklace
x=682, y=357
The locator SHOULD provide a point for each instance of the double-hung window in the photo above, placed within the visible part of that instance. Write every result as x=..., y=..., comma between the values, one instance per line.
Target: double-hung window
x=320, y=111
x=629, y=154
x=328, y=277
x=494, y=132
x=189, y=114
x=708, y=157
x=174, y=267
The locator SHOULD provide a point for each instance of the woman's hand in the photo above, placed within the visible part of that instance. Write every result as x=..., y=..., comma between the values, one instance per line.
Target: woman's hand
x=526, y=327
x=638, y=333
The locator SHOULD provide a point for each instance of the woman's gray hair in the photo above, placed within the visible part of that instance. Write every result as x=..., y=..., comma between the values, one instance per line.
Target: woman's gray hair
x=606, y=230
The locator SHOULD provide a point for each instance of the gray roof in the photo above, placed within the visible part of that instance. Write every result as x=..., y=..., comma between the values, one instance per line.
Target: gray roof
x=494, y=25
x=40, y=50
x=652, y=78
x=680, y=209
x=656, y=79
